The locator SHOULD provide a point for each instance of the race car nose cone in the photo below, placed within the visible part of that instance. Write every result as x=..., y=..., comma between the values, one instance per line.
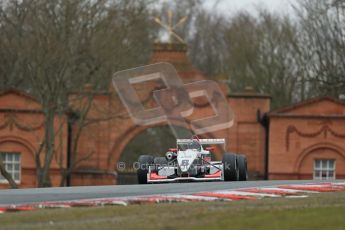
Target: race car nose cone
x=186, y=158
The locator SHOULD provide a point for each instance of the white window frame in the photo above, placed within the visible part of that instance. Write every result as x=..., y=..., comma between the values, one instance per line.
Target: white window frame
x=324, y=167
x=13, y=162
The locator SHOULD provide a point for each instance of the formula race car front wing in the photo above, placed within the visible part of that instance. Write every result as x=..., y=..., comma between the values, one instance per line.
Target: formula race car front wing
x=153, y=177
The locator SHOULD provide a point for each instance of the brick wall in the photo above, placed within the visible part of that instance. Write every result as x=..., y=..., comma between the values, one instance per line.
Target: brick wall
x=22, y=131
x=303, y=133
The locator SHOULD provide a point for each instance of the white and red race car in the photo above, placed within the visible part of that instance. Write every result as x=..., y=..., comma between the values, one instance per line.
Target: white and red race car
x=190, y=161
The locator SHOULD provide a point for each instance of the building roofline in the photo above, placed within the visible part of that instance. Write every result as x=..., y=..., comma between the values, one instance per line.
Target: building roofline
x=249, y=95
x=304, y=103
x=309, y=116
x=93, y=92
x=11, y=110
x=20, y=93
x=163, y=47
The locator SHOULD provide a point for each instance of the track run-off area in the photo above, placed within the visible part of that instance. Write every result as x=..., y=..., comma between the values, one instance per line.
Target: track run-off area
x=30, y=199
x=33, y=195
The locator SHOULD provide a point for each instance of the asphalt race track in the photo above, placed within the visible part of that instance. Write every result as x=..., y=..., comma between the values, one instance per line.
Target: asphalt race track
x=21, y=196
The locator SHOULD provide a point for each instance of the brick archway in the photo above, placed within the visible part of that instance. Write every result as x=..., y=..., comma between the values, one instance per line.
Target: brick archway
x=19, y=141
x=314, y=150
x=109, y=139
x=129, y=135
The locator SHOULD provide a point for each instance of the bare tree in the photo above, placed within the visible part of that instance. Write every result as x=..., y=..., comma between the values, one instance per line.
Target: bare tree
x=321, y=46
x=207, y=45
x=259, y=53
x=246, y=50
x=61, y=45
x=6, y=175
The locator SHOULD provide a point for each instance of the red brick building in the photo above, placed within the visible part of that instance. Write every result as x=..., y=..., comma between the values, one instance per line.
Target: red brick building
x=307, y=140
x=296, y=142
x=21, y=132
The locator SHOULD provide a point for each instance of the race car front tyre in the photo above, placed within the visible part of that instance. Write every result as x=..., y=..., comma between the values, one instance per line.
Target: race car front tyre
x=144, y=161
x=160, y=162
x=230, y=167
x=242, y=167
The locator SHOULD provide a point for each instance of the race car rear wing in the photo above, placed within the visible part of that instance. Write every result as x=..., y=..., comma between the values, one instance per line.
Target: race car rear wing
x=221, y=141
x=202, y=141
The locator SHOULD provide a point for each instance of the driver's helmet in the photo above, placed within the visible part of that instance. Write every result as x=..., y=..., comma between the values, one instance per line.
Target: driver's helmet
x=194, y=145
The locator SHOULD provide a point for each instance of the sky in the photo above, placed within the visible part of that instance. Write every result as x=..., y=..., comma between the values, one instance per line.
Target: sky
x=230, y=6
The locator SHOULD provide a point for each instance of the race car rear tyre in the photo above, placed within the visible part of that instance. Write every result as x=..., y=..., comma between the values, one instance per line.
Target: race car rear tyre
x=242, y=167
x=144, y=161
x=230, y=167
